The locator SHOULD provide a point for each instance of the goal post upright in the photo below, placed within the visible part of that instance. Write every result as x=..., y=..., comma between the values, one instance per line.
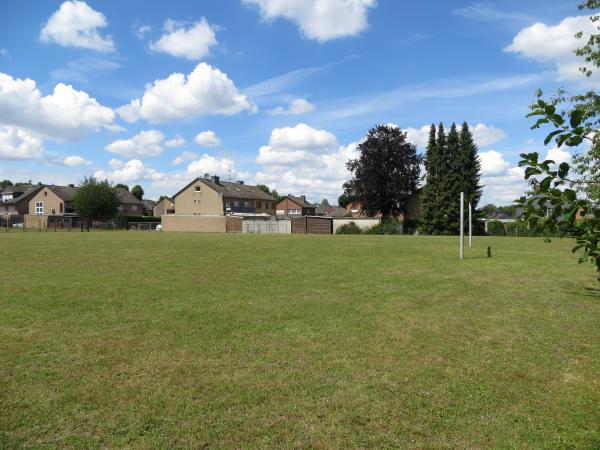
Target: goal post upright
x=470, y=224
x=461, y=248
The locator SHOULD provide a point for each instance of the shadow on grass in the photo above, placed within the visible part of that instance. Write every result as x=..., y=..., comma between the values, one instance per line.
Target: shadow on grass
x=593, y=292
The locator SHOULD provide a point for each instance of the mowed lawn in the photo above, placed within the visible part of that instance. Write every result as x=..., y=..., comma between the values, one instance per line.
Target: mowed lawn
x=167, y=340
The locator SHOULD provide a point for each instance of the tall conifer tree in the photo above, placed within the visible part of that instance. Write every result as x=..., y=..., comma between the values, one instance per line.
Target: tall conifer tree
x=429, y=202
x=471, y=166
x=453, y=182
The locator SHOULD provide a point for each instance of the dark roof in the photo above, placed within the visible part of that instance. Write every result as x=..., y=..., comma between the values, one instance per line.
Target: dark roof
x=66, y=193
x=16, y=189
x=29, y=192
x=300, y=201
x=232, y=189
x=126, y=197
x=149, y=203
x=333, y=211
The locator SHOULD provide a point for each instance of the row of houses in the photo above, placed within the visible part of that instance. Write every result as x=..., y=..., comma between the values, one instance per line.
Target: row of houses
x=53, y=200
x=210, y=196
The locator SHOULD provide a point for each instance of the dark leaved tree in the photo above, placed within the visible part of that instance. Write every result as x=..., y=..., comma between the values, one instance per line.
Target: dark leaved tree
x=343, y=200
x=386, y=173
x=137, y=191
x=96, y=199
x=122, y=186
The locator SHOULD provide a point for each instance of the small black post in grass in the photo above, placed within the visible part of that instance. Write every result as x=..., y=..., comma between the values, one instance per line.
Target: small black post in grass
x=489, y=252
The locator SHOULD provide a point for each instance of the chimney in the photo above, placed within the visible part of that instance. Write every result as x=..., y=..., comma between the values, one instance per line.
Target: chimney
x=303, y=197
x=239, y=182
x=215, y=179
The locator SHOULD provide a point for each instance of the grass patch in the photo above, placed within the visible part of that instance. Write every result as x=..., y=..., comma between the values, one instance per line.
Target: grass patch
x=148, y=340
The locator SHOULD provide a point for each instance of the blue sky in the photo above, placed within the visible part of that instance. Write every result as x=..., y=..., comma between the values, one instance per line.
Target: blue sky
x=270, y=91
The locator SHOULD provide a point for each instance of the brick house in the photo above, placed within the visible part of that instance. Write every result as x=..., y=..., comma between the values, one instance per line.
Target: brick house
x=14, y=201
x=211, y=196
x=164, y=207
x=295, y=206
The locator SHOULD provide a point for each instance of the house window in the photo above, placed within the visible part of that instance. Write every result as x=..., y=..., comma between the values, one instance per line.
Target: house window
x=197, y=188
x=294, y=211
x=39, y=208
x=247, y=204
x=227, y=204
x=61, y=208
x=236, y=204
x=280, y=212
x=134, y=207
x=259, y=205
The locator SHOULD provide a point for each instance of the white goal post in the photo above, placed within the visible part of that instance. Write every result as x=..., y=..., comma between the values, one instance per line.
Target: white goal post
x=461, y=247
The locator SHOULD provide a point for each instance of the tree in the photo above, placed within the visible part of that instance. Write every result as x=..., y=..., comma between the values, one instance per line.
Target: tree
x=96, y=199
x=343, y=200
x=470, y=166
x=430, y=219
x=386, y=173
x=5, y=183
x=324, y=203
x=569, y=189
x=264, y=188
x=122, y=186
x=137, y=192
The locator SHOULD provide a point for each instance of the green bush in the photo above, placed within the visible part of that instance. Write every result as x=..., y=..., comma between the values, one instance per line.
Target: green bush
x=495, y=228
x=386, y=226
x=123, y=221
x=349, y=228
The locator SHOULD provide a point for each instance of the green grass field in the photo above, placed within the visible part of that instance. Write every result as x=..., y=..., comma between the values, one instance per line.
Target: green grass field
x=158, y=340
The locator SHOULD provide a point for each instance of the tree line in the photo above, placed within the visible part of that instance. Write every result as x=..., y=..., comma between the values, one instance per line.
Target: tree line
x=387, y=174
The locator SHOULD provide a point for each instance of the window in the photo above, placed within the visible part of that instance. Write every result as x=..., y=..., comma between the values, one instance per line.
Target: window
x=134, y=207
x=61, y=208
x=259, y=205
x=197, y=188
x=294, y=211
x=280, y=212
x=247, y=204
x=236, y=204
x=39, y=208
x=227, y=204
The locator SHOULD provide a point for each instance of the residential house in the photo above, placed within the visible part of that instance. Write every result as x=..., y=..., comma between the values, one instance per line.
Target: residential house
x=295, y=206
x=51, y=200
x=164, y=207
x=148, y=206
x=211, y=196
x=14, y=201
x=331, y=211
x=413, y=207
x=129, y=205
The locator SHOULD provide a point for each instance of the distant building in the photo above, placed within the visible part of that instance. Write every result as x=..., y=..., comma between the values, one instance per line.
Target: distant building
x=164, y=207
x=14, y=201
x=295, y=207
x=129, y=205
x=51, y=200
x=211, y=196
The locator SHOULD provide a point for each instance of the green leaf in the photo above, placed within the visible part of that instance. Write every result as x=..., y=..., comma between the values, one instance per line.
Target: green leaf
x=576, y=117
x=551, y=135
x=570, y=194
x=563, y=169
x=530, y=171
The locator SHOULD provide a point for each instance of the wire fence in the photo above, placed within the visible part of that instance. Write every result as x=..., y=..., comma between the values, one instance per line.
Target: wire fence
x=21, y=223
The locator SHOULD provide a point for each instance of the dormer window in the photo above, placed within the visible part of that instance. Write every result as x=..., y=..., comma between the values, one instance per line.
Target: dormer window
x=197, y=189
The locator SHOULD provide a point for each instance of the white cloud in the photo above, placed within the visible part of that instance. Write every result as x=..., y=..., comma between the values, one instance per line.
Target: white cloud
x=75, y=24
x=130, y=171
x=214, y=166
x=485, y=12
x=177, y=141
x=504, y=189
x=185, y=156
x=303, y=160
x=65, y=114
x=556, y=44
x=208, y=139
x=145, y=143
x=192, y=43
x=140, y=31
x=206, y=90
x=321, y=20
x=493, y=163
x=75, y=161
x=296, y=107
x=558, y=155
x=484, y=135
x=17, y=144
